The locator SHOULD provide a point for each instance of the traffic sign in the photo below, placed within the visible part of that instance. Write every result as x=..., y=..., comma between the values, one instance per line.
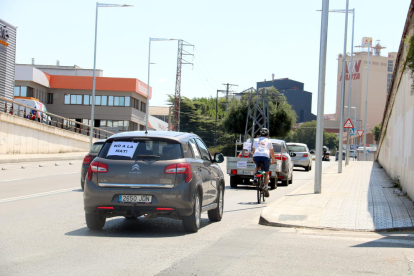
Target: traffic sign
x=348, y=124
x=352, y=131
x=360, y=132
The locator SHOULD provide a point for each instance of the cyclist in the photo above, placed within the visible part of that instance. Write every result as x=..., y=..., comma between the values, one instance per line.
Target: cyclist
x=263, y=152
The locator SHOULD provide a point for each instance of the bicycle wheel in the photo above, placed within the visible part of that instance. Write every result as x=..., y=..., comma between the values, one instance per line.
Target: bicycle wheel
x=259, y=190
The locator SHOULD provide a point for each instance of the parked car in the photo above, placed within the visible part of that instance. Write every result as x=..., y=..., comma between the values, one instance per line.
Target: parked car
x=96, y=147
x=282, y=153
x=303, y=157
x=156, y=174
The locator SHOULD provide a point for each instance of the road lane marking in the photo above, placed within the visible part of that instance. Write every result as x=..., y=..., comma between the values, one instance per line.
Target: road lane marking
x=18, y=179
x=38, y=195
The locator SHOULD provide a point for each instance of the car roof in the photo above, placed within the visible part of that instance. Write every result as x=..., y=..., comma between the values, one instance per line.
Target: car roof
x=175, y=135
x=277, y=141
x=296, y=144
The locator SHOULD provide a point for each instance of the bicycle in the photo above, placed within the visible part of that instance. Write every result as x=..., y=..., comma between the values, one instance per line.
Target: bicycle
x=260, y=185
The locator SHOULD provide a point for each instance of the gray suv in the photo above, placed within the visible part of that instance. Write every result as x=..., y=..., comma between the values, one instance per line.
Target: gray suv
x=154, y=174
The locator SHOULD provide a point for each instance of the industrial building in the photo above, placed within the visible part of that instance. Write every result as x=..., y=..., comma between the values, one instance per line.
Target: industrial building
x=296, y=96
x=120, y=103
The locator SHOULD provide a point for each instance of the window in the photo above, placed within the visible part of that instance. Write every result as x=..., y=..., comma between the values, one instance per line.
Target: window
x=75, y=99
x=135, y=103
x=390, y=65
x=205, y=155
x=110, y=100
x=23, y=91
x=193, y=146
x=104, y=100
x=116, y=101
x=67, y=99
x=127, y=101
x=86, y=100
x=97, y=100
x=50, y=98
x=143, y=107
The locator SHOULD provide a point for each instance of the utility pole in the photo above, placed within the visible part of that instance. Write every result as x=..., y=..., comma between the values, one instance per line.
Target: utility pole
x=215, y=129
x=177, y=98
x=227, y=93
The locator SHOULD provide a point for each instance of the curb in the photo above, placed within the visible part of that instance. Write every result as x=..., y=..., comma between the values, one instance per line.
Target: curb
x=39, y=159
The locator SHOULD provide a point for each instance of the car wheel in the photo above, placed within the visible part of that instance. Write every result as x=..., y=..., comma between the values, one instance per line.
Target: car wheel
x=94, y=221
x=192, y=222
x=83, y=185
x=285, y=182
x=233, y=181
x=273, y=184
x=291, y=179
x=217, y=214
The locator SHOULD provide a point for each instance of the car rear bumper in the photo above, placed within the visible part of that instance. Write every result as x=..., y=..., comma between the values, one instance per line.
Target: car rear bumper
x=301, y=163
x=180, y=198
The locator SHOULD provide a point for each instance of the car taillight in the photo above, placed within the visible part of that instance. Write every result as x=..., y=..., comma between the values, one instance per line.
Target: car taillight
x=87, y=159
x=280, y=157
x=305, y=155
x=180, y=168
x=233, y=171
x=96, y=167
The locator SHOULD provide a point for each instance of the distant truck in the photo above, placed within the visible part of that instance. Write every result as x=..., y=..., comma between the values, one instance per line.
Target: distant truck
x=241, y=169
x=31, y=113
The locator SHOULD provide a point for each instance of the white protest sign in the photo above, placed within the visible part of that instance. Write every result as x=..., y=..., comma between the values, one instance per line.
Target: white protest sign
x=242, y=164
x=122, y=149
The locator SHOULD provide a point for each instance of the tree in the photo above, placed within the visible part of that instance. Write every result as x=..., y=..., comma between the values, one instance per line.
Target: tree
x=281, y=118
x=306, y=133
x=376, y=132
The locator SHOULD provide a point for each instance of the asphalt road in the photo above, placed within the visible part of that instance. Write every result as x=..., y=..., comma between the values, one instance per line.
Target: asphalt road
x=43, y=232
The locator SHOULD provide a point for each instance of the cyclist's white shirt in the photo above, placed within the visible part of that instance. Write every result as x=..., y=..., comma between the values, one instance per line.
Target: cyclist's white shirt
x=262, y=147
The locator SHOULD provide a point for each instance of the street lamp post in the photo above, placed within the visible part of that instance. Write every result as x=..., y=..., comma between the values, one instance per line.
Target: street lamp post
x=366, y=105
x=98, y=5
x=148, y=82
x=321, y=96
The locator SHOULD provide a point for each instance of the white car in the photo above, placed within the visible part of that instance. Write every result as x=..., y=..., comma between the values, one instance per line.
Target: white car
x=303, y=157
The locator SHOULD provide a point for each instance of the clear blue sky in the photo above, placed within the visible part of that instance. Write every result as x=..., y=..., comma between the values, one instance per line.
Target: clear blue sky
x=240, y=42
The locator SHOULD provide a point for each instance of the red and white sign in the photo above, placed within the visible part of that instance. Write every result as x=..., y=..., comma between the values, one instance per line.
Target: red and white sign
x=348, y=124
x=360, y=132
x=352, y=70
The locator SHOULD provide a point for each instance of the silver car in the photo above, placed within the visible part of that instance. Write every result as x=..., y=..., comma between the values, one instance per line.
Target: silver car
x=282, y=153
x=154, y=174
x=303, y=157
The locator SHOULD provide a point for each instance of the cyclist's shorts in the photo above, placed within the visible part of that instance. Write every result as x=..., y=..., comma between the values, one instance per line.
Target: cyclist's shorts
x=265, y=160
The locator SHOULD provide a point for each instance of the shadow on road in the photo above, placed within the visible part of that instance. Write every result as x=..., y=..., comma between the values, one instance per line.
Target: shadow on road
x=138, y=228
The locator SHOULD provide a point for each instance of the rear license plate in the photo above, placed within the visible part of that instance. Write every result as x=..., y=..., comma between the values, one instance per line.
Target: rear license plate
x=135, y=198
x=248, y=172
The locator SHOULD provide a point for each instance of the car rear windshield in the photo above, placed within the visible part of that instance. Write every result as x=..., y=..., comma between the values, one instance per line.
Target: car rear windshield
x=96, y=147
x=297, y=148
x=277, y=147
x=135, y=149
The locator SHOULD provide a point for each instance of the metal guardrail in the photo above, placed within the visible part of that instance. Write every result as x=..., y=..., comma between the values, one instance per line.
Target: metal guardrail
x=21, y=110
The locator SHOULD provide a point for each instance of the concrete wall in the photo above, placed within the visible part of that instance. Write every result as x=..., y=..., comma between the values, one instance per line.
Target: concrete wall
x=22, y=136
x=395, y=148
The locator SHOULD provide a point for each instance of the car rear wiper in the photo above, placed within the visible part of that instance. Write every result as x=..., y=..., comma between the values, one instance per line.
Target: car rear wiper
x=147, y=156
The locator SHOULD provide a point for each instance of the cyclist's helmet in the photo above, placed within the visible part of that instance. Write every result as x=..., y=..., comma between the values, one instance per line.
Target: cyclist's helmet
x=264, y=132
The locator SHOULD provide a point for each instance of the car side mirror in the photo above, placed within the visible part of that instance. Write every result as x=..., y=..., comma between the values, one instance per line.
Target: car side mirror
x=292, y=154
x=312, y=152
x=218, y=157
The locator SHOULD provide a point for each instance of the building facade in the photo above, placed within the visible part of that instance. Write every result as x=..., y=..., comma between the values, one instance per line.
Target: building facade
x=380, y=73
x=296, y=96
x=7, y=59
x=120, y=103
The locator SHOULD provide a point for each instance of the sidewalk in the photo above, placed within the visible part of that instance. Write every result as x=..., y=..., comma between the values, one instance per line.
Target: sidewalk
x=361, y=198
x=17, y=158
